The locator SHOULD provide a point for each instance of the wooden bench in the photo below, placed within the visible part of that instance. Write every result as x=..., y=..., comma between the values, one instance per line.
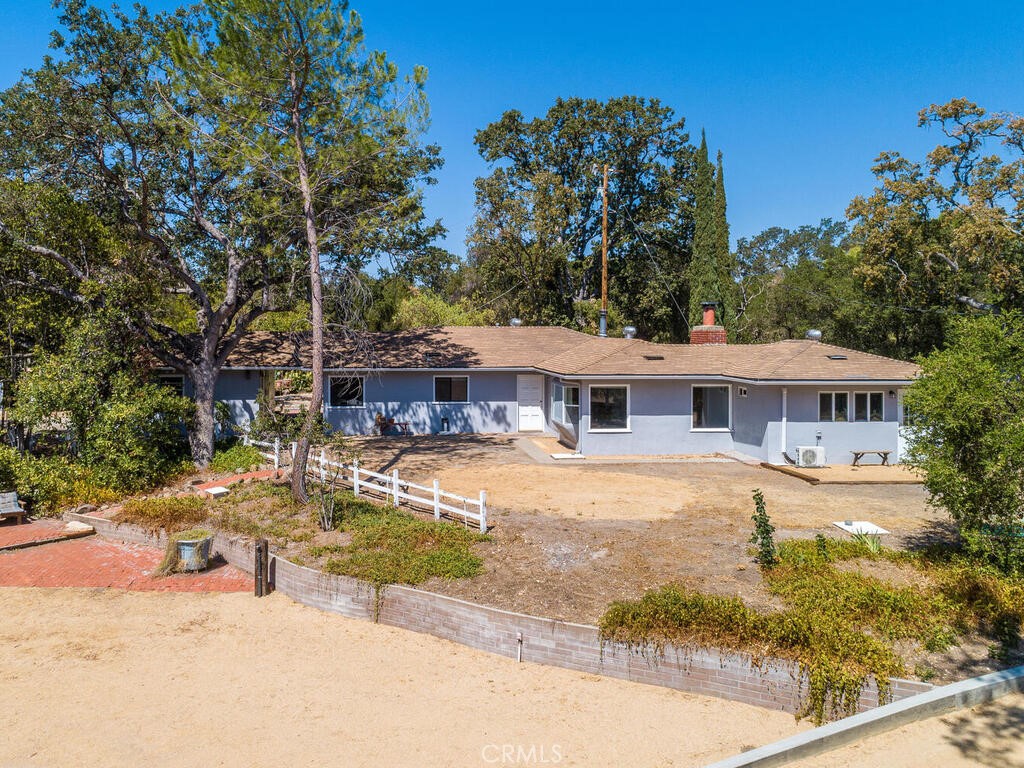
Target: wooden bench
x=11, y=507
x=858, y=455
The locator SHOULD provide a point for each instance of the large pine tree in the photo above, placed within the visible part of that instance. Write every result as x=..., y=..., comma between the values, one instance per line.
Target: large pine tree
x=705, y=284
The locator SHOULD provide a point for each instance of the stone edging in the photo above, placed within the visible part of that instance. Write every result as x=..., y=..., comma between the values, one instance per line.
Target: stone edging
x=775, y=684
x=962, y=695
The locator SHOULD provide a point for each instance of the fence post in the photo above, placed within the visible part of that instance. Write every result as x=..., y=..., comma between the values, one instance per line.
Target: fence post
x=323, y=466
x=355, y=477
x=483, y=511
x=262, y=575
x=277, y=453
x=394, y=485
x=295, y=449
x=437, y=499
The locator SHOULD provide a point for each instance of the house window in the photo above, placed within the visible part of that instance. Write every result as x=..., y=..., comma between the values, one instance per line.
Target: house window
x=174, y=383
x=741, y=391
x=346, y=391
x=451, y=389
x=572, y=404
x=710, y=408
x=566, y=403
x=833, y=406
x=609, y=408
x=868, y=406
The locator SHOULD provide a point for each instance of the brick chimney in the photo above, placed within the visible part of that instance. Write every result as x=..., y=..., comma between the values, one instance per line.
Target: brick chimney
x=708, y=332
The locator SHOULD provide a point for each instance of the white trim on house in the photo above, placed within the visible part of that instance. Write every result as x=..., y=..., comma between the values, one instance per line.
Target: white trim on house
x=868, y=395
x=433, y=394
x=590, y=411
x=726, y=387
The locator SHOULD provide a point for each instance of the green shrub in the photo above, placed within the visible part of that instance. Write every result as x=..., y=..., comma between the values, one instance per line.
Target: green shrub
x=840, y=625
x=9, y=461
x=238, y=455
x=394, y=547
x=837, y=660
x=52, y=483
x=763, y=536
x=136, y=440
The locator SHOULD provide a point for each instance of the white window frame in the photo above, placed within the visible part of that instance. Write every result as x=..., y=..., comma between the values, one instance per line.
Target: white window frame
x=433, y=394
x=590, y=410
x=330, y=388
x=165, y=379
x=834, y=392
x=710, y=429
x=741, y=391
x=868, y=420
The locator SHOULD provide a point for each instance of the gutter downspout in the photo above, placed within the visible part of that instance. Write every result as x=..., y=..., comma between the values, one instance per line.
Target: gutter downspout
x=785, y=413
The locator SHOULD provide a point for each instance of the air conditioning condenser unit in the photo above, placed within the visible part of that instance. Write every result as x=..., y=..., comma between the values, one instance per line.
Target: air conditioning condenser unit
x=810, y=456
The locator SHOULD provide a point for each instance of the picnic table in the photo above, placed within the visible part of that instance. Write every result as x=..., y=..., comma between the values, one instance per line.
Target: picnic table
x=883, y=455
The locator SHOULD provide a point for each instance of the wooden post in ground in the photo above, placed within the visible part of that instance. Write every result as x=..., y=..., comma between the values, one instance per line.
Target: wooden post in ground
x=483, y=511
x=437, y=499
x=355, y=477
x=277, y=454
x=262, y=570
x=394, y=485
x=323, y=466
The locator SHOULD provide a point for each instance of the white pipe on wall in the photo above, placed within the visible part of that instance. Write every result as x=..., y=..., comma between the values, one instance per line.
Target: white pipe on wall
x=785, y=413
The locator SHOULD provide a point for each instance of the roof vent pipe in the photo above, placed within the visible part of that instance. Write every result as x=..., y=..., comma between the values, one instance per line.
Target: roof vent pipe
x=629, y=332
x=515, y=322
x=814, y=334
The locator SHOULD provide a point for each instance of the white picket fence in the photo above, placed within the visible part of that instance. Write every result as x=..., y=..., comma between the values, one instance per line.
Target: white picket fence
x=391, y=487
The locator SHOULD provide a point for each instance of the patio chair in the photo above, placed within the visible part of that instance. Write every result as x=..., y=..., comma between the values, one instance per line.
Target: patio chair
x=11, y=507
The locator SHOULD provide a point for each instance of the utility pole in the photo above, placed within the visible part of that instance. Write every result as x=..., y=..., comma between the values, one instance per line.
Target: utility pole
x=603, y=329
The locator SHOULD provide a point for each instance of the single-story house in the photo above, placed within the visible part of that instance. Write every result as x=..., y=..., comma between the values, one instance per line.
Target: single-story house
x=598, y=396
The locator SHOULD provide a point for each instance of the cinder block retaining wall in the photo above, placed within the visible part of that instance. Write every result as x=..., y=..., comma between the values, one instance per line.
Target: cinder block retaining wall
x=775, y=685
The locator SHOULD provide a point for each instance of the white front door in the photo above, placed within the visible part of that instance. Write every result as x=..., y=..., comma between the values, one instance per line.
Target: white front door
x=530, y=395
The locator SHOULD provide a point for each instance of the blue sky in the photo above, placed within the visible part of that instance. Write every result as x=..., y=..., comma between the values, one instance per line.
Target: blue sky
x=800, y=97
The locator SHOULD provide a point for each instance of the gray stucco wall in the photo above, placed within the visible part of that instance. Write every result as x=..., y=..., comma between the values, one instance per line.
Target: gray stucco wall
x=839, y=438
x=238, y=390
x=409, y=397
x=659, y=421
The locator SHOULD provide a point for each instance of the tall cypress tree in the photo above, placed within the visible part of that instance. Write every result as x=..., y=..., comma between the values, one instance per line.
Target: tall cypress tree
x=703, y=273
x=723, y=257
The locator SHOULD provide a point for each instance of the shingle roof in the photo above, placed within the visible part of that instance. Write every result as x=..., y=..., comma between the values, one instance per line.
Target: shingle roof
x=569, y=353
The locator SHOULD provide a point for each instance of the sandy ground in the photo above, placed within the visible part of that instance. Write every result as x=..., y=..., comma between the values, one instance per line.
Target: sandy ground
x=568, y=538
x=643, y=491
x=125, y=679
x=989, y=735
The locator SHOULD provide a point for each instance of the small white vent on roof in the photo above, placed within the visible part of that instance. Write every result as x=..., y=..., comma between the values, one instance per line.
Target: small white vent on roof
x=837, y=357
x=654, y=357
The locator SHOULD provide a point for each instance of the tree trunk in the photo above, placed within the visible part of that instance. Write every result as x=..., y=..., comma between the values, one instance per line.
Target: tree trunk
x=316, y=312
x=200, y=436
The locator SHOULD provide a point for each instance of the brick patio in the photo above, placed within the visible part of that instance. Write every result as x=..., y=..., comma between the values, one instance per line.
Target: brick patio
x=97, y=562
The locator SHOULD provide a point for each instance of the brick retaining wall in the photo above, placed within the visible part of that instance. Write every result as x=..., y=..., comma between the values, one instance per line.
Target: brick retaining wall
x=776, y=684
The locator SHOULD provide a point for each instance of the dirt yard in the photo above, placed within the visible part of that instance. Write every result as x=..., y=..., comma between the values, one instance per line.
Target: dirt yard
x=119, y=678
x=570, y=537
